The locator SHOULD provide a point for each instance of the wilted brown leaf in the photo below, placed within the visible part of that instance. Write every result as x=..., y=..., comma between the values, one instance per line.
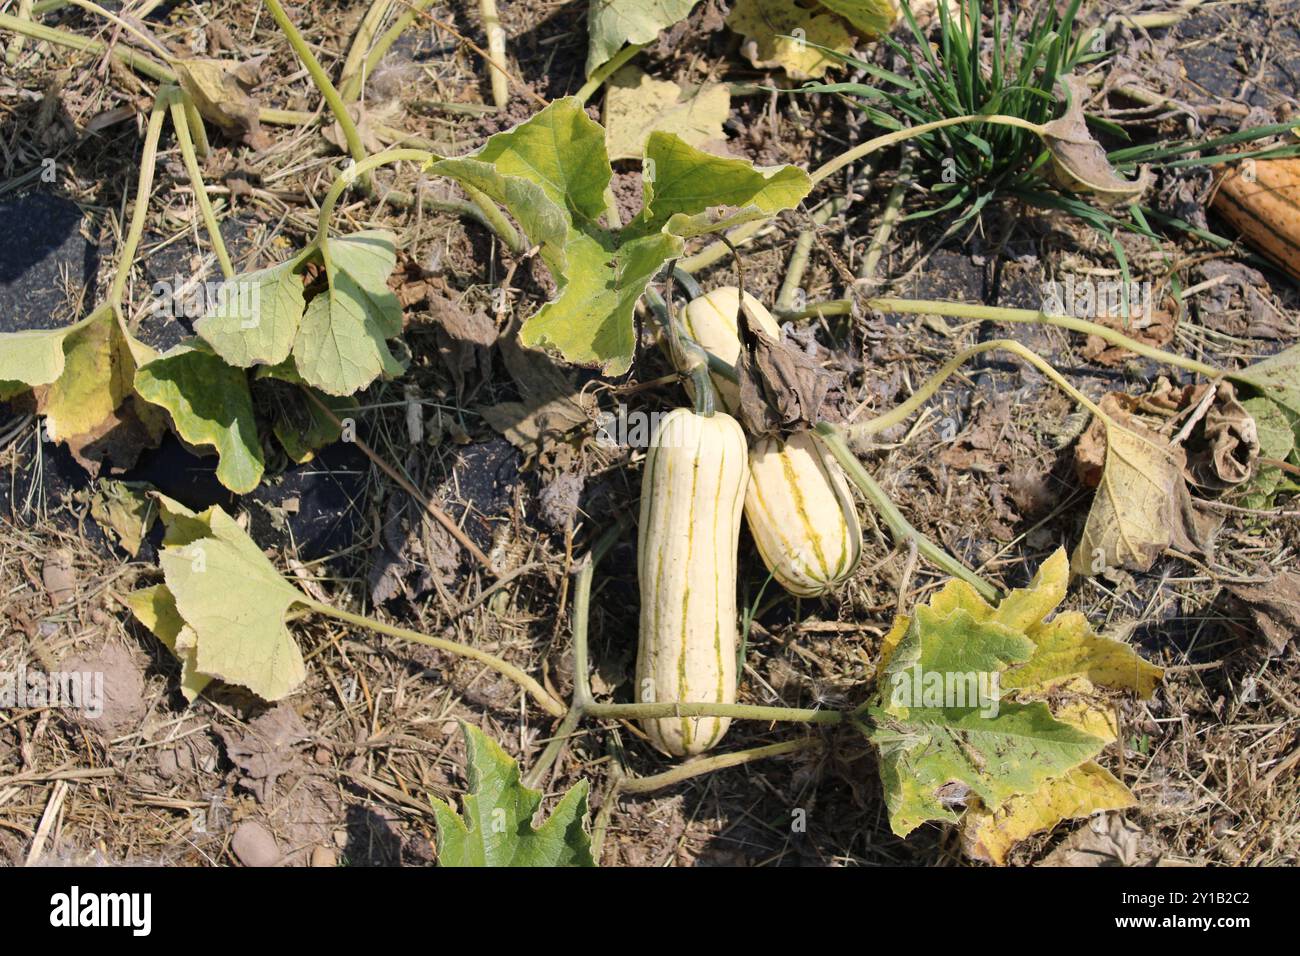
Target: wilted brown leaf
x=218, y=89
x=781, y=389
x=1274, y=607
x=1079, y=162
x=1142, y=505
x=551, y=406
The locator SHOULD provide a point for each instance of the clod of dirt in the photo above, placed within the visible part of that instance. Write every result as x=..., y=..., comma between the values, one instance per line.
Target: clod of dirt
x=1274, y=607
x=114, y=689
x=558, y=501
x=1237, y=304
x=58, y=577
x=254, y=845
x=263, y=750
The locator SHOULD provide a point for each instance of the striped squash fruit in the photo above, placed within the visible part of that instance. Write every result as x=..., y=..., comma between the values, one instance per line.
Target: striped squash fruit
x=711, y=321
x=692, y=496
x=1266, y=211
x=798, y=504
x=801, y=514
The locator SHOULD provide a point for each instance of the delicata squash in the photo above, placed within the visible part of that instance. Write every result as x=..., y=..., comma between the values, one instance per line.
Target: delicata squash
x=798, y=504
x=692, y=495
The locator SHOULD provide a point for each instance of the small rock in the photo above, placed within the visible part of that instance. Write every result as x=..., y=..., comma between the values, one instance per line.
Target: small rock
x=340, y=838
x=254, y=845
x=323, y=856
x=323, y=757
x=59, y=578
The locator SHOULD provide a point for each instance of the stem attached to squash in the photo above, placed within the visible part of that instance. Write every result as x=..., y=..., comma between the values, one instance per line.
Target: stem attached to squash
x=833, y=438
x=505, y=669
x=664, y=709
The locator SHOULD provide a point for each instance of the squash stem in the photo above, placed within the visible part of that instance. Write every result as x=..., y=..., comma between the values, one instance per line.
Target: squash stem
x=990, y=313
x=695, y=768
x=322, y=81
x=664, y=709
x=504, y=668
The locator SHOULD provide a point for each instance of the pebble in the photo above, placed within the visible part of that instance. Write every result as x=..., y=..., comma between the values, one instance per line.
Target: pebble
x=254, y=845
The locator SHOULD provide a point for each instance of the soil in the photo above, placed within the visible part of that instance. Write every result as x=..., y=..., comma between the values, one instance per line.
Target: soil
x=342, y=772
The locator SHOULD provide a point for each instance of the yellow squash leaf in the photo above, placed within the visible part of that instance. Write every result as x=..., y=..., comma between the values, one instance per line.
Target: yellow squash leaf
x=1083, y=791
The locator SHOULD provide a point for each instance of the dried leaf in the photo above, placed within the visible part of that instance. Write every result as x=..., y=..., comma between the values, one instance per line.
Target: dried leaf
x=125, y=508
x=1274, y=607
x=768, y=28
x=551, y=407
x=782, y=389
x=218, y=90
x=1078, y=161
x=1142, y=505
x=637, y=104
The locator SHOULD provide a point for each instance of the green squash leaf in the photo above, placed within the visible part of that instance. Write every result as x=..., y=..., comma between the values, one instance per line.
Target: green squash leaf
x=689, y=192
x=961, y=715
x=612, y=23
x=155, y=608
x=1276, y=378
x=35, y=357
x=298, y=423
x=497, y=826
x=255, y=320
x=341, y=345
x=227, y=592
x=553, y=174
x=210, y=405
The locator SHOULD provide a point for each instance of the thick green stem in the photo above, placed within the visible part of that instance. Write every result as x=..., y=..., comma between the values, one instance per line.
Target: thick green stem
x=606, y=70
x=893, y=205
x=902, y=412
x=708, y=709
x=353, y=74
x=992, y=313
x=319, y=77
x=705, y=765
x=901, y=528
x=143, y=190
x=496, y=220
x=181, y=120
x=498, y=74
x=353, y=173
x=533, y=778
x=137, y=61
x=505, y=669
